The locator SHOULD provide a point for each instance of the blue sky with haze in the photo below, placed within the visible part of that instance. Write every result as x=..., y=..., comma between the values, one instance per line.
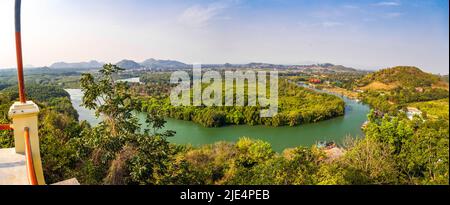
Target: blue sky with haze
x=365, y=34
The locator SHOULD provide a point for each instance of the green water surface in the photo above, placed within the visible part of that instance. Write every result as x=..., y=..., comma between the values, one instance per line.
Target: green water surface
x=281, y=138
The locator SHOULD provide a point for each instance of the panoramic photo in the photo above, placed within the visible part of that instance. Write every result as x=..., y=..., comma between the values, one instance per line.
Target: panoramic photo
x=224, y=92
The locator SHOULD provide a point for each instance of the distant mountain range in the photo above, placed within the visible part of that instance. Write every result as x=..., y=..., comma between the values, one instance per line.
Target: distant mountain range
x=129, y=64
x=311, y=68
x=126, y=64
x=328, y=67
x=90, y=64
x=155, y=64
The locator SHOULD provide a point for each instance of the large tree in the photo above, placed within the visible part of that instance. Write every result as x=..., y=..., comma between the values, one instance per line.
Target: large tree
x=122, y=152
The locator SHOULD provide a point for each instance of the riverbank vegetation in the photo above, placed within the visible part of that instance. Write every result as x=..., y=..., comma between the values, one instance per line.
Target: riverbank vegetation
x=296, y=106
x=341, y=83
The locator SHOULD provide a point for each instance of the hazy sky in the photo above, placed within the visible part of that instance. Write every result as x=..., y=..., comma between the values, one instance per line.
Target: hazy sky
x=364, y=33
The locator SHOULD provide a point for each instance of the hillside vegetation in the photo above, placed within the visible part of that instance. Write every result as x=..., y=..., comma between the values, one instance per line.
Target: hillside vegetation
x=391, y=89
x=435, y=108
x=401, y=76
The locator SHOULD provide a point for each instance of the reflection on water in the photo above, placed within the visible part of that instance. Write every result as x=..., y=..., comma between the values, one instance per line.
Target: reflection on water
x=76, y=96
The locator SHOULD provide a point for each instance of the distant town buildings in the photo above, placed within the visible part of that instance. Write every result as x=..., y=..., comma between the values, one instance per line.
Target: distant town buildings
x=315, y=81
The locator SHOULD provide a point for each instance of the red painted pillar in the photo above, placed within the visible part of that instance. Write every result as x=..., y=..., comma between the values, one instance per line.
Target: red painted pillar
x=19, y=53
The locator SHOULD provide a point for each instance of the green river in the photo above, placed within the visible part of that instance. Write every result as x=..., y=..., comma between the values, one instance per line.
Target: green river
x=281, y=138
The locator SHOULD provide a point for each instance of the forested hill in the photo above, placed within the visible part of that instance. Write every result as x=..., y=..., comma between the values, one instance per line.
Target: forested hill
x=394, y=88
x=401, y=76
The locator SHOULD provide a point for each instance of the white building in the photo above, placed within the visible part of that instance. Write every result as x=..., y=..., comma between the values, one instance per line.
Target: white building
x=411, y=112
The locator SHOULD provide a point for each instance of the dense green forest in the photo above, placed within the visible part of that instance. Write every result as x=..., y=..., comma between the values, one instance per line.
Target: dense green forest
x=65, y=78
x=395, y=150
x=297, y=106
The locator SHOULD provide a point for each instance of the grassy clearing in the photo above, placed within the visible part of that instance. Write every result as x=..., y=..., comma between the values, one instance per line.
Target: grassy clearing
x=435, y=108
